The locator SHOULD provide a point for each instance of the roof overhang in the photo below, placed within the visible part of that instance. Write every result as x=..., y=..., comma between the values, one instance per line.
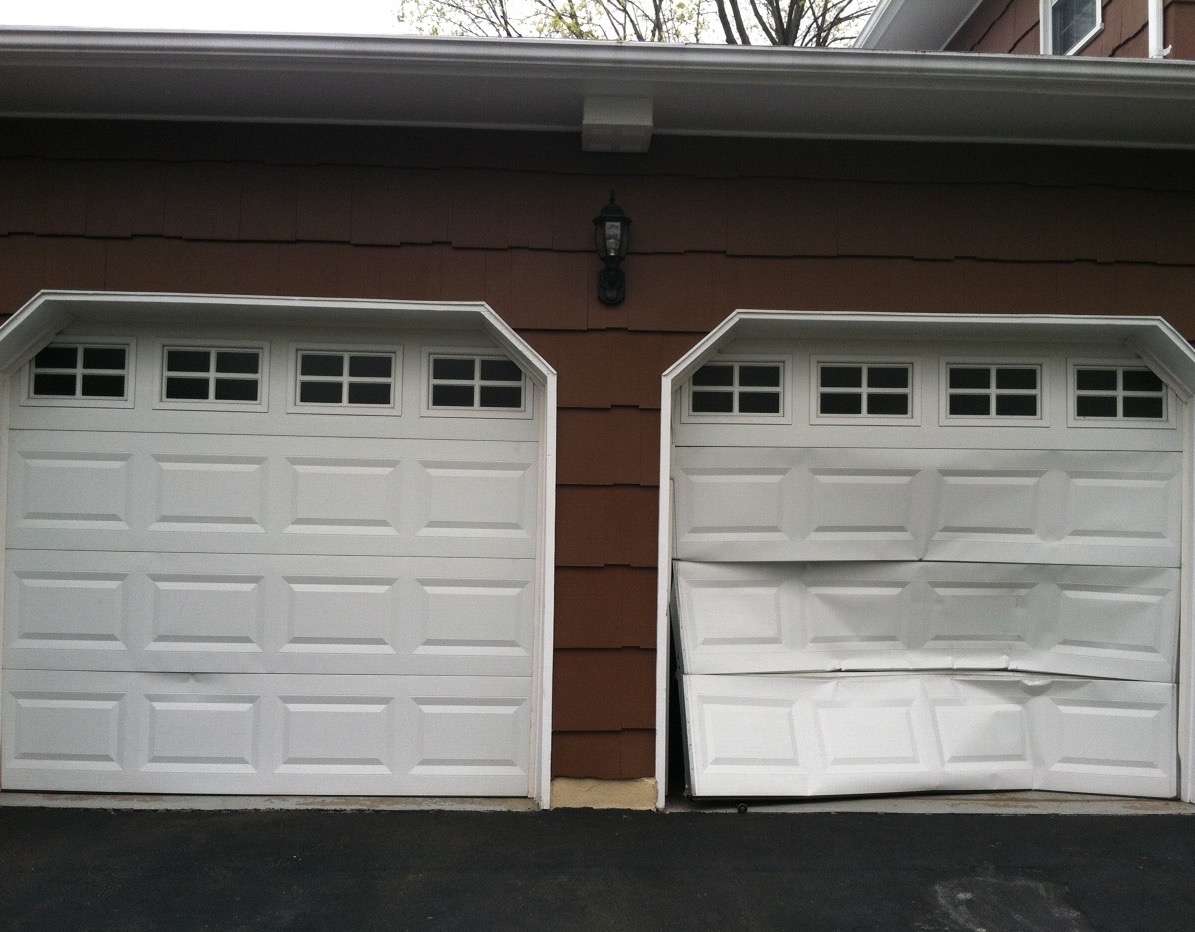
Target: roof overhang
x=1152, y=338
x=49, y=312
x=544, y=85
x=914, y=25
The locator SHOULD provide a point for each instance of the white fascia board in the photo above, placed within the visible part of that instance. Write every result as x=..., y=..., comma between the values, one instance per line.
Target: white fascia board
x=540, y=85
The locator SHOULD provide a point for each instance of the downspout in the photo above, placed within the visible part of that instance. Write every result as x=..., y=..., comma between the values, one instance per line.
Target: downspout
x=1157, y=29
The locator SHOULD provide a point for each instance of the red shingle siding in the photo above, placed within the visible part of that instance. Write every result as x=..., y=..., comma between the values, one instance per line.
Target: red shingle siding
x=1003, y=26
x=506, y=218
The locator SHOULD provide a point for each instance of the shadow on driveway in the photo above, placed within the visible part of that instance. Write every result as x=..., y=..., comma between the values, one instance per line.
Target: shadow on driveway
x=565, y=870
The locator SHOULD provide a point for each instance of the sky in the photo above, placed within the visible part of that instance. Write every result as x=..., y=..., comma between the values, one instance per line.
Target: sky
x=376, y=17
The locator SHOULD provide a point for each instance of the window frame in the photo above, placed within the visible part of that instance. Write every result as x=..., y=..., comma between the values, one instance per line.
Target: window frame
x=688, y=415
x=297, y=347
x=1046, y=29
x=946, y=419
x=197, y=343
x=866, y=360
x=84, y=341
x=1168, y=422
x=477, y=353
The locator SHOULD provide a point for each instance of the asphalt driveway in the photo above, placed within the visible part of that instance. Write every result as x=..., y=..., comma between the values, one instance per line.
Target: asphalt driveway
x=566, y=870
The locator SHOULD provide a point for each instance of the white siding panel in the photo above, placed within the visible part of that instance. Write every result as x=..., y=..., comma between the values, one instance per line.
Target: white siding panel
x=1011, y=506
x=1118, y=622
x=887, y=733
x=219, y=733
x=246, y=494
x=268, y=613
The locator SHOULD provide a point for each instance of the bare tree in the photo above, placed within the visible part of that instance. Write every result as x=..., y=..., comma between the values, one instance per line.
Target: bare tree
x=791, y=22
x=735, y=22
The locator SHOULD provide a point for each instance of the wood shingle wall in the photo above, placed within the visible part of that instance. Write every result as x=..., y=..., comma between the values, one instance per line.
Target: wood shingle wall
x=506, y=218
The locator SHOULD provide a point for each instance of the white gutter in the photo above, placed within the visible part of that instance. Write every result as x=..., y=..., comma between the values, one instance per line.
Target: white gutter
x=548, y=58
x=542, y=85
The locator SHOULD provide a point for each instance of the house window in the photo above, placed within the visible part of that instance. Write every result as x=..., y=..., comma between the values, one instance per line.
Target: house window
x=850, y=389
x=981, y=391
x=749, y=388
x=1118, y=393
x=333, y=378
x=1072, y=23
x=205, y=373
x=80, y=371
x=490, y=383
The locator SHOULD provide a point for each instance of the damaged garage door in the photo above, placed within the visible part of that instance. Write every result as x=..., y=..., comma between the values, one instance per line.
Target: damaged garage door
x=932, y=605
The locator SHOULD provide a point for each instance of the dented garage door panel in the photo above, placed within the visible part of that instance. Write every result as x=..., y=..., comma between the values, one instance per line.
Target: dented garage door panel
x=263, y=613
x=1012, y=506
x=886, y=733
x=80, y=490
x=247, y=733
x=1118, y=622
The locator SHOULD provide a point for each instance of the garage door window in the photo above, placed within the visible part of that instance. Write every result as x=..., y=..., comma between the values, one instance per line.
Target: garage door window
x=330, y=379
x=754, y=387
x=1118, y=395
x=483, y=384
x=876, y=391
x=997, y=393
x=199, y=374
x=89, y=374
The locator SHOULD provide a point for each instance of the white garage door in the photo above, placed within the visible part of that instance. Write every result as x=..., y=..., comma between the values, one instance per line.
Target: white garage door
x=279, y=565
x=922, y=593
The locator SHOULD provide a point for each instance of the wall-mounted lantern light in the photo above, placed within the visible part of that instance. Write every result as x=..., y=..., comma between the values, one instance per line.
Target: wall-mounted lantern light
x=612, y=236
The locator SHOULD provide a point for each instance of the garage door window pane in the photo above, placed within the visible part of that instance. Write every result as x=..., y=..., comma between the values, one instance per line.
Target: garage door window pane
x=836, y=403
x=500, y=370
x=198, y=374
x=713, y=402
x=373, y=367
x=80, y=371
x=188, y=360
x=321, y=364
x=714, y=376
x=1016, y=406
x=841, y=377
x=970, y=377
x=451, y=368
x=452, y=396
x=970, y=405
x=891, y=405
x=329, y=393
x=369, y=393
x=186, y=389
x=489, y=383
x=759, y=402
x=47, y=384
x=236, y=389
x=236, y=362
x=501, y=396
x=57, y=357
x=104, y=357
